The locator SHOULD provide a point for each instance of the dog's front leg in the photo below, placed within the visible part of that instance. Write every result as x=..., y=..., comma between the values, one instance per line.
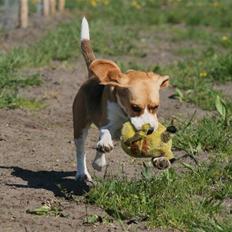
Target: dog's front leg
x=105, y=144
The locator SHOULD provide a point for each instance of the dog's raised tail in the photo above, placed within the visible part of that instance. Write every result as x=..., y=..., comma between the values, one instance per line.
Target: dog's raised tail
x=85, y=43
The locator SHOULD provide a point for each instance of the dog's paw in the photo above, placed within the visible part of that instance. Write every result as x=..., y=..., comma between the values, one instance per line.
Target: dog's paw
x=161, y=163
x=84, y=184
x=105, y=144
x=84, y=178
x=99, y=162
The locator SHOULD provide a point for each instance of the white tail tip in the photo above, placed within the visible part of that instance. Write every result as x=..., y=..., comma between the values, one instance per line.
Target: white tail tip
x=84, y=29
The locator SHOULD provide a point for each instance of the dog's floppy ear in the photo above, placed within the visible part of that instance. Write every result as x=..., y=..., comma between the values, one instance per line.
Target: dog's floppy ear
x=108, y=72
x=164, y=81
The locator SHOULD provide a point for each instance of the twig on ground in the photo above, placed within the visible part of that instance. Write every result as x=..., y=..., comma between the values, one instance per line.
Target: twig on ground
x=190, y=121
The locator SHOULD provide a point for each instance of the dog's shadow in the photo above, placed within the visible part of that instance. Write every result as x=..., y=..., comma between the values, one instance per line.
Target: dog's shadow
x=55, y=181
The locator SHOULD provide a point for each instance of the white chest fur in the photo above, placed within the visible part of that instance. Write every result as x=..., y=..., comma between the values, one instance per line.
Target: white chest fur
x=116, y=117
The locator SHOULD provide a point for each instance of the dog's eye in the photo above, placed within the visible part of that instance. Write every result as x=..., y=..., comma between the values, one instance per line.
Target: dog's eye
x=136, y=108
x=153, y=108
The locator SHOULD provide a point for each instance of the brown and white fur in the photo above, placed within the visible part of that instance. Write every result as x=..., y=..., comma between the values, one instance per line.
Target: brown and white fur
x=109, y=98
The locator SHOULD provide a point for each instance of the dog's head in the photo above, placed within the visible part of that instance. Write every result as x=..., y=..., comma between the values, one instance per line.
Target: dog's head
x=137, y=92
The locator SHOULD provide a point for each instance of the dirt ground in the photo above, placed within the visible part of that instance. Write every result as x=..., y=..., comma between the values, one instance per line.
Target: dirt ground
x=37, y=156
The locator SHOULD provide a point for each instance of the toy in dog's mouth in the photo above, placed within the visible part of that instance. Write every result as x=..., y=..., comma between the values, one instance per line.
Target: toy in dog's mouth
x=149, y=144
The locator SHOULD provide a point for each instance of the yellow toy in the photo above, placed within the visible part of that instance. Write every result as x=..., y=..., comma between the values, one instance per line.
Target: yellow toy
x=141, y=144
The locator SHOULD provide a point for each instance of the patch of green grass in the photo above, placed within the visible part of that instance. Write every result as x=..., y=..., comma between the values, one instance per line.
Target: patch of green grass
x=29, y=104
x=12, y=101
x=19, y=81
x=60, y=44
x=189, y=201
x=9, y=85
x=32, y=6
x=220, y=68
x=212, y=134
x=206, y=12
x=209, y=135
x=48, y=208
x=196, y=78
x=120, y=41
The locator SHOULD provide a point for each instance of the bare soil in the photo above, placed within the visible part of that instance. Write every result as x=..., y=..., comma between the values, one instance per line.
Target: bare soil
x=225, y=89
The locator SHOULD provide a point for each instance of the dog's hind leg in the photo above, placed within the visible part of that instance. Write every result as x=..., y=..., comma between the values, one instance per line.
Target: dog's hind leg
x=81, y=126
x=82, y=171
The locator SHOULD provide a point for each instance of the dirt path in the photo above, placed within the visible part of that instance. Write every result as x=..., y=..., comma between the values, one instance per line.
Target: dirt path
x=37, y=155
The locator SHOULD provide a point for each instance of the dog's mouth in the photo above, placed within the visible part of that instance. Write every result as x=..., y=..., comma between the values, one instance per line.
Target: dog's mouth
x=146, y=128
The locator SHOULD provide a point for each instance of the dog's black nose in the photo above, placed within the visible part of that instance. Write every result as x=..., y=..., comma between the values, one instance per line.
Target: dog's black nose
x=150, y=130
